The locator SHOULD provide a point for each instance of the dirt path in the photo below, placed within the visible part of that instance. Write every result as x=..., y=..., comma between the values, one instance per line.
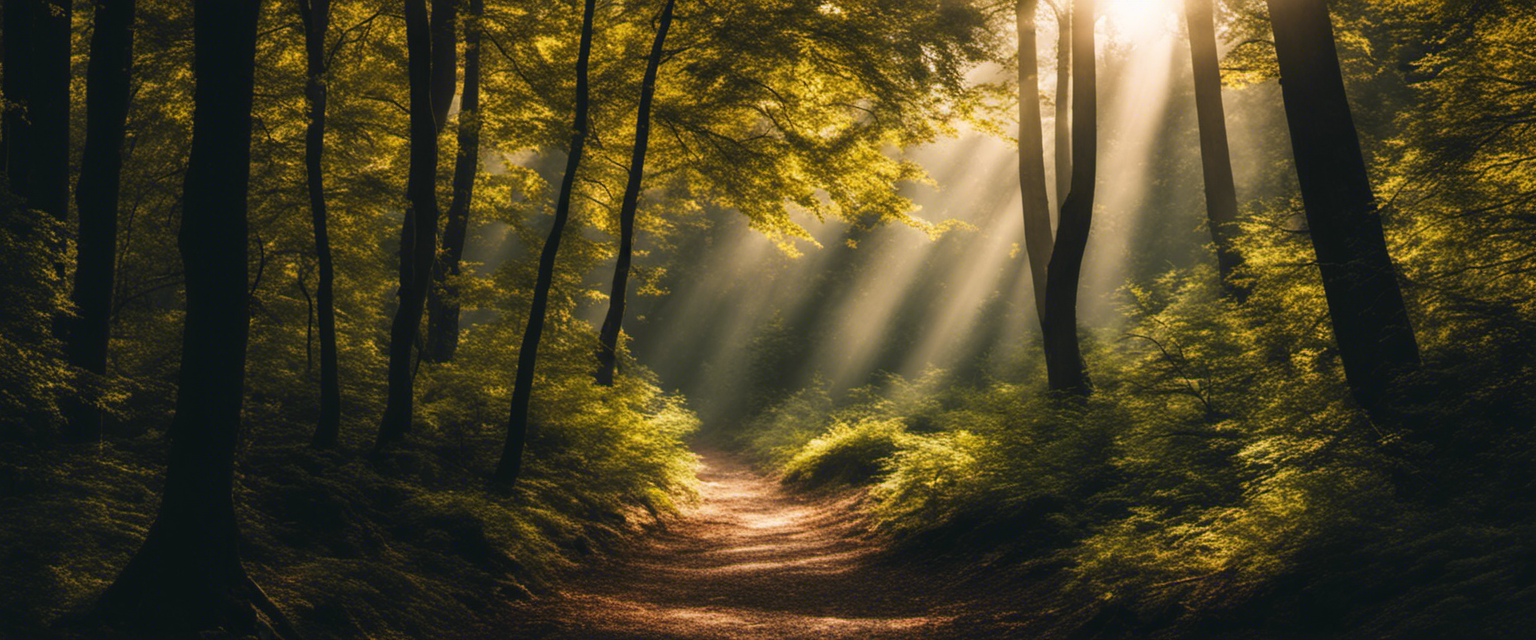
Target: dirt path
x=752, y=561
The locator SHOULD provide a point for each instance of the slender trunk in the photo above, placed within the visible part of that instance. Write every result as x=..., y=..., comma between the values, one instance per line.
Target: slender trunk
x=36, y=79
x=188, y=577
x=317, y=20
x=444, y=63
x=608, y=339
x=1063, y=356
x=419, y=234
x=106, y=115
x=1370, y=322
x=442, y=299
x=1063, y=137
x=1215, y=157
x=511, y=464
x=1037, y=206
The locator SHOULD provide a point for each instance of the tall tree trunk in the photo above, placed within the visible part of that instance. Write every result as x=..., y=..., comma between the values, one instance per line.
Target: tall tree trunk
x=316, y=15
x=442, y=300
x=188, y=577
x=1370, y=322
x=1063, y=356
x=608, y=339
x=444, y=63
x=1215, y=157
x=106, y=115
x=511, y=464
x=1063, y=136
x=37, y=75
x=1037, y=206
x=419, y=235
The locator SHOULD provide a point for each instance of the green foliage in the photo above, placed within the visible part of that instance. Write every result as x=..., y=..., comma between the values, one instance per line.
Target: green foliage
x=851, y=453
x=34, y=378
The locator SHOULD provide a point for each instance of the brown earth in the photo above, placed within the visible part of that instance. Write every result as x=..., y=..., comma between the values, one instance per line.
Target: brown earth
x=754, y=560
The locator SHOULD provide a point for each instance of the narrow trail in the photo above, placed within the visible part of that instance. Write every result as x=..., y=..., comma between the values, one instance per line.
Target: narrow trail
x=755, y=561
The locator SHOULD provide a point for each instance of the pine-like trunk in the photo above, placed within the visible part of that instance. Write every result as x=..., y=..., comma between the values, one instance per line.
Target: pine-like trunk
x=1063, y=355
x=107, y=78
x=188, y=578
x=1370, y=322
x=418, y=236
x=608, y=338
x=1032, y=186
x=317, y=20
x=442, y=301
x=1215, y=156
x=511, y=463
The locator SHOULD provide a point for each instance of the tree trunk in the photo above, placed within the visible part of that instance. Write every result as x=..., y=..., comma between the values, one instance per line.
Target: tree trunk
x=608, y=339
x=1063, y=356
x=418, y=243
x=511, y=464
x=316, y=15
x=1370, y=322
x=36, y=79
x=106, y=115
x=442, y=301
x=1063, y=137
x=1215, y=157
x=444, y=62
x=1037, y=206
x=188, y=578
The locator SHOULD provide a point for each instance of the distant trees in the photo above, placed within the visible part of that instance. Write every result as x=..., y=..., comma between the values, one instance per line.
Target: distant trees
x=511, y=464
x=316, y=18
x=1370, y=322
x=188, y=577
x=107, y=80
x=608, y=337
x=1215, y=157
x=1063, y=356
x=442, y=339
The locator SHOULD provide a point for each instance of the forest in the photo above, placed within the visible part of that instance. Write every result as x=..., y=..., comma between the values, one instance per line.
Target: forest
x=768, y=319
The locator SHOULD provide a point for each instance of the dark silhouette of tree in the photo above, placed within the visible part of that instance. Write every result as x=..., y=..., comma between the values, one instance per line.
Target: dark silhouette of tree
x=442, y=300
x=1370, y=322
x=511, y=464
x=418, y=238
x=187, y=577
x=36, y=136
x=444, y=60
x=316, y=16
x=1036, y=202
x=1064, y=365
x=1215, y=156
x=608, y=339
x=106, y=115
x=1063, y=137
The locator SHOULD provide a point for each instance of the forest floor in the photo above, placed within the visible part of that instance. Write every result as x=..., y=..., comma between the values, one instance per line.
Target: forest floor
x=755, y=560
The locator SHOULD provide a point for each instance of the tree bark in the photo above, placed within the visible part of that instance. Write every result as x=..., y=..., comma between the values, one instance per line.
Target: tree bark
x=608, y=338
x=107, y=79
x=1036, y=203
x=188, y=578
x=1370, y=322
x=511, y=464
x=1063, y=355
x=418, y=243
x=316, y=15
x=37, y=75
x=444, y=62
x=1063, y=136
x=1215, y=156
x=442, y=301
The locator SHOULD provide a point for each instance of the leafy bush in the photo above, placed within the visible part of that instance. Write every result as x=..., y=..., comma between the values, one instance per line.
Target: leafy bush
x=848, y=453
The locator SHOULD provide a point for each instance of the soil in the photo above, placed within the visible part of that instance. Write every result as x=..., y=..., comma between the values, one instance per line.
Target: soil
x=756, y=560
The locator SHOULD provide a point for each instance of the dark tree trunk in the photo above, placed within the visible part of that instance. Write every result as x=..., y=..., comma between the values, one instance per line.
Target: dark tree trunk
x=608, y=339
x=1063, y=137
x=37, y=74
x=511, y=464
x=444, y=63
x=442, y=301
x=1370, y=322
x=106, y=115
x=1063, y=356
x=419, y=235
x=188, y=577
x=1215, y=157
x=316, y=15
x=1037, y=206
